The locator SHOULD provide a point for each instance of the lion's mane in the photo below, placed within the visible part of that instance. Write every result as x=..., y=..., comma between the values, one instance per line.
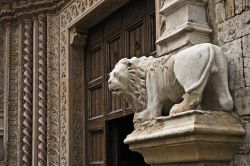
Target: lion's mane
x=137, y=81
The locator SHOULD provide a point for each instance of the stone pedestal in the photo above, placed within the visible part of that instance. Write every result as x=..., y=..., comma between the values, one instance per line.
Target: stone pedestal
x=183, y=24
x=192, y=136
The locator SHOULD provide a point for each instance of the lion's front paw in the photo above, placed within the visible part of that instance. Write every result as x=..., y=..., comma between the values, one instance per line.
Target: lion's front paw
x=143, y=116
x=137, y=119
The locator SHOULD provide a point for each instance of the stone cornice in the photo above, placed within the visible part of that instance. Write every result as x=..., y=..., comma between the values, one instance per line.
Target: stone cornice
x=11, y=10
x=74, y=11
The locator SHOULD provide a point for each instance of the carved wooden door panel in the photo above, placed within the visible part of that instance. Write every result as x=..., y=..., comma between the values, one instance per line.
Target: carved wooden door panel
x=128, y=32
x=135, y=38
x=96, y=107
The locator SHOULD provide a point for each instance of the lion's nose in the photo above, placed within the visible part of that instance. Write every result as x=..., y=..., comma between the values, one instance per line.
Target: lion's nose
x=109, y=81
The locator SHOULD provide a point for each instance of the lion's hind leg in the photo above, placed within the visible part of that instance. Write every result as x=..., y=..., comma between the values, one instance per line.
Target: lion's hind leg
x=191, y=99
x=190, y=102
x=220, y=85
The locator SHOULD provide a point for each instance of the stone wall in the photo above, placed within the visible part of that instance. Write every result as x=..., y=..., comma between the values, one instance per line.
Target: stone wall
x=230, y=21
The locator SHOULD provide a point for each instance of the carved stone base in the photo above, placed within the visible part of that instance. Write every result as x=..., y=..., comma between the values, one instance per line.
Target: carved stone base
x=191, y=136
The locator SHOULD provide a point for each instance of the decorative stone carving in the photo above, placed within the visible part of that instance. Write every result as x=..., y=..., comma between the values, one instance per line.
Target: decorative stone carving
x=2, y=82
x=42, y=128
x=18, y=9
x=53, y=64
x=150, y=83
x=28, y=92
x=73, y=13
x=64, y=100
x=11, y=93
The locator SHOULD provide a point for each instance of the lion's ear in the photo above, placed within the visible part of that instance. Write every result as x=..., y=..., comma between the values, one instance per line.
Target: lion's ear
x=128, y=64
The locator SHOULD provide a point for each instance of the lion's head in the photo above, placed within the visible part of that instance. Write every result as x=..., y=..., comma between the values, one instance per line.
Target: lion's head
x=118, y=78
x=128, y=79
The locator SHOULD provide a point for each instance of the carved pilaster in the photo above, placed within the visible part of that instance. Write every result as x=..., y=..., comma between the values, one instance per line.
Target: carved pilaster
x=11, y=99
x=6, y=86
x=42, y=138
x=2, y=33
x=53, y=54
x=28, y=89
x=76, y=96
x=64, y=99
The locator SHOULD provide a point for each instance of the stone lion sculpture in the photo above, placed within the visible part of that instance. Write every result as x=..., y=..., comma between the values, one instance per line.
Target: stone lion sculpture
x=149, y=83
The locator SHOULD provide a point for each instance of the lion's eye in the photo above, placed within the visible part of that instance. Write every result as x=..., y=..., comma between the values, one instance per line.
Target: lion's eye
x=115, y=74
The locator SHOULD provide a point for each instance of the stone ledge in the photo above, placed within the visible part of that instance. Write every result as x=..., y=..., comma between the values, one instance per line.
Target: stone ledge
x=172, y=5
x=182, y=29
x=188, y=137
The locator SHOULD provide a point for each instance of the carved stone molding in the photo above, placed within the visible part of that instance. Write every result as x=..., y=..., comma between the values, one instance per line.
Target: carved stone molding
x=6, y=59
x=12, y=73
x=42, y=103
x=28, y=92
x=19, y=9
x=53, y=64
x=64, y=100
x=76, y=10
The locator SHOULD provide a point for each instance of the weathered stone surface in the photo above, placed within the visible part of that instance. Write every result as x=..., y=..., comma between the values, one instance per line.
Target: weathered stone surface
x=188, y=137
x=220, y=12
x=242, y=158
x=246, y=58
x=247, y=2
x=233, y=52
x=217, y=1
x=229, y=6
x=242, y=101
x=239, y=6
x=234, y=28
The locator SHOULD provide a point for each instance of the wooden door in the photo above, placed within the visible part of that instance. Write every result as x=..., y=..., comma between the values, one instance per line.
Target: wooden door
x=118, y=130
x=128, y=32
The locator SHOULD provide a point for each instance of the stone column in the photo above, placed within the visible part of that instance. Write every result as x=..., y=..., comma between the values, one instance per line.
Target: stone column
x=42, y=96
x=28, y=90
x=183, y=23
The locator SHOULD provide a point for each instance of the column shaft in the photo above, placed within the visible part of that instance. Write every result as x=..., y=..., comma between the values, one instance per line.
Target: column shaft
x=28, y=90
x=42, y=96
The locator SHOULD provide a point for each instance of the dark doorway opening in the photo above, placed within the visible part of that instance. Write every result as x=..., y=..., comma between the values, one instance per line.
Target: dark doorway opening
x=118, y=152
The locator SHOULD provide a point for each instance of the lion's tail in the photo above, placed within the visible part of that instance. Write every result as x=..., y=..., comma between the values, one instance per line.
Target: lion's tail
x=205, y=73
